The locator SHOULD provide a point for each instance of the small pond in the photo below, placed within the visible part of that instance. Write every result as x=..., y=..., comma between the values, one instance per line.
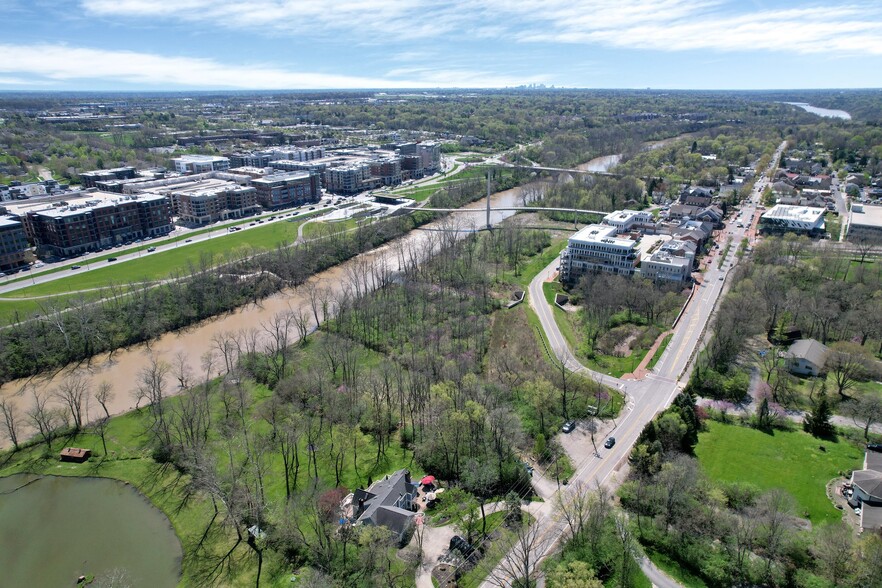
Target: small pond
x=53, y=529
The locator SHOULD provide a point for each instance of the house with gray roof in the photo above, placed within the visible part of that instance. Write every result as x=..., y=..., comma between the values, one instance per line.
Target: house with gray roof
x=388, y=503
x=867, y=491
x=807, y=357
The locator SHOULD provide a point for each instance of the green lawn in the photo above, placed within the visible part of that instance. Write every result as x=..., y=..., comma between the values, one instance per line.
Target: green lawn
x=148, y=267
x=539, y=262
x=833, y=225
x=788, y=460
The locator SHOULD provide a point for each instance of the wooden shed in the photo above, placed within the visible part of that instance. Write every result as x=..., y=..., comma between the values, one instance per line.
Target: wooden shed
x=75, y=454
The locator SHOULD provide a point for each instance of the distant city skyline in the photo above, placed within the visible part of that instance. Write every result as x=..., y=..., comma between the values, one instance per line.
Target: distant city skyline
x=137, y=45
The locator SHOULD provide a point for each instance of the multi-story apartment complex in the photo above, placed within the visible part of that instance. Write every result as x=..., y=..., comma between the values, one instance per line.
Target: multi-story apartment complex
x=388, y=170
x=197, y=164
x=90, y=179
x=210, y=199
x=101, y=220
x=596, y=248
x=673, y=262
x=349, y=179
x=287, y=189
x=13, y=244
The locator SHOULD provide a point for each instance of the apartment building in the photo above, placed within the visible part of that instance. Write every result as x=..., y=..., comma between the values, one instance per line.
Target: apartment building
x=100, y=220
x=13, y=244
x=197, y=164
x=288, y=189
x=596, y=248
x=209, y=200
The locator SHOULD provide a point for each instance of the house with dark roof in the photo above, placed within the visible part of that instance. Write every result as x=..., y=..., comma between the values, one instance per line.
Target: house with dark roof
x=807, y=357
x=388, y=502
x=866, y=485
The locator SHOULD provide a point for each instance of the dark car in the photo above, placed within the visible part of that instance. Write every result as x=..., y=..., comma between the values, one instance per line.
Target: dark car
x=151, y=249
x=111, y=259
x=874, y=446
x=609, y=442
x=75, y=267
x=188, y=241
x=568, y=427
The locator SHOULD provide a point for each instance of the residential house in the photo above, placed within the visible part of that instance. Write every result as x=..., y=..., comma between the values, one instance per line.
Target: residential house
x=388, y=502
x=866, y=486
x=807, y=357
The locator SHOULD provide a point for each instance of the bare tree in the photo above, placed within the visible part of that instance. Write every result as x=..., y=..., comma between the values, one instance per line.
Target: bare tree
x=516, y=569
x=73, y=392
x=865, y=411
x=46, y=420
x=104, y=395
x=11, y=420
x=182, y=370
x=848, y=364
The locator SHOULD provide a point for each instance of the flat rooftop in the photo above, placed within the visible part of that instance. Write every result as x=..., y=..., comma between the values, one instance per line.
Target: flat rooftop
x=5, y=221
x=601, y=234
x=87, y=201
x=200, y=158
x=870, y=217
x=805, y=214
x=201, y=187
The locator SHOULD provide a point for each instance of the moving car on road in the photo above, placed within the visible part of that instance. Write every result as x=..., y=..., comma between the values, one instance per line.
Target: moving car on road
x=610, y=441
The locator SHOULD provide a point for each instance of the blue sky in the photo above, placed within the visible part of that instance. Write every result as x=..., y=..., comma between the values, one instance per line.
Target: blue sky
x=301, y=44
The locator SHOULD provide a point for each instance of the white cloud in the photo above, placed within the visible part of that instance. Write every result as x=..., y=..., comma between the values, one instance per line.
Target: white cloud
x=62, y=63
x=661, y=25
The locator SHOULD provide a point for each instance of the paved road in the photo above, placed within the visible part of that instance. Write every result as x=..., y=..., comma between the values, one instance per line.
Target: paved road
x=645, y=398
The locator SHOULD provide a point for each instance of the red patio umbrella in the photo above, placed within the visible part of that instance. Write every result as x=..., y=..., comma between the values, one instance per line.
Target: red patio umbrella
x=427, y=480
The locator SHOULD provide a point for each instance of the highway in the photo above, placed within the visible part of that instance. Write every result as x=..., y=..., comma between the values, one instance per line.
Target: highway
x=646, y=397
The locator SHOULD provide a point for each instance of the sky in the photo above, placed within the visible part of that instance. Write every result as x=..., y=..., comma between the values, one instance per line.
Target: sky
x=140, y=45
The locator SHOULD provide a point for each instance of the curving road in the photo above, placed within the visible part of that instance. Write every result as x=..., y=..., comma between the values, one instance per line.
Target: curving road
x=645, y=398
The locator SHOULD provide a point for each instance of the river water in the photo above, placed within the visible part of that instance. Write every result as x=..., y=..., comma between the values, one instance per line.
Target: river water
x=826, y=112
x=54, y=529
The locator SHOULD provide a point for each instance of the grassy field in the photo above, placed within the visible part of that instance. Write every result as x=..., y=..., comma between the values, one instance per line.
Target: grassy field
x=789, y=460
x=833, y=224
x=539, y=262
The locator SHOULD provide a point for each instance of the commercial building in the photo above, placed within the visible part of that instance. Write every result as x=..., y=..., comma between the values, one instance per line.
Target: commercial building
x=626, y=220
x=288, y=189
x=210, y=199
x=782, y=218
x=96, y=221
x=865, y=223
x=673, y=262
x=197, y=164
x=13, y=244
x=596, y=248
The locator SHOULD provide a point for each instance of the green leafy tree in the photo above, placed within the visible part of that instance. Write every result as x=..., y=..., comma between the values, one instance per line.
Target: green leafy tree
x=817, y=422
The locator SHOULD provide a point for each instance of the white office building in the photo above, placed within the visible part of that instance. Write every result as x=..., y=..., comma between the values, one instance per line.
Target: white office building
x=795, y=219
x=197, y=164
x=596, y=248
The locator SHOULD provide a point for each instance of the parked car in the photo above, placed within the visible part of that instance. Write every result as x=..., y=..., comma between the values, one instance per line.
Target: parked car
x=109, y=259
x=609, y=442
x=568, y=427
x=151, y=249
x=75, y=267
x=874, y=446
x=188, y=241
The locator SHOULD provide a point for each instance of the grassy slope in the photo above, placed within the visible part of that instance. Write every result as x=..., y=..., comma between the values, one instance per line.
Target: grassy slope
x=788, y=460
